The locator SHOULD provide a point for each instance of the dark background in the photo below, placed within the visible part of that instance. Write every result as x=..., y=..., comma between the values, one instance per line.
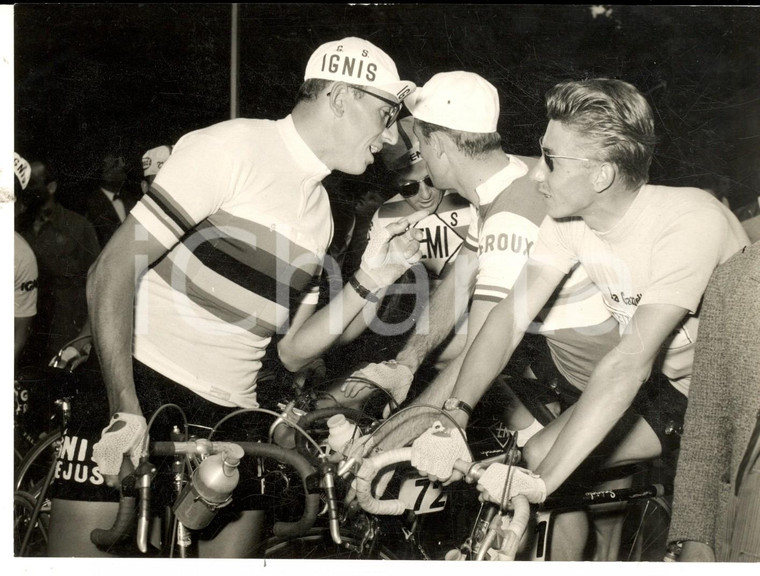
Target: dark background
x=126, y=78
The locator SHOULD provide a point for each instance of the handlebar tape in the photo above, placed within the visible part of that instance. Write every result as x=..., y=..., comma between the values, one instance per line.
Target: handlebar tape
x=367, y=472
x=372, y=465
x=290, y=457
x=511, y=534
x=124, y=525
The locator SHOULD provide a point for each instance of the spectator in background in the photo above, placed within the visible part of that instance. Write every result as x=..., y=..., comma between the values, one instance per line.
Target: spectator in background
x=65, y=245
x=24, y=267
x=152, y=161
x=716, y=506
x=77, y=351
x=108, y=205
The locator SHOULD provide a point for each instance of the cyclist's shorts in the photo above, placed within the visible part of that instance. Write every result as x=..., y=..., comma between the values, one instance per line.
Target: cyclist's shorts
x=78, y=477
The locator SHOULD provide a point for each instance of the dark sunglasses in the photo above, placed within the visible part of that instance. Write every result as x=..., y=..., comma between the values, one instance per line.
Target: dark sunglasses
x=549, y=158
x=409, y=189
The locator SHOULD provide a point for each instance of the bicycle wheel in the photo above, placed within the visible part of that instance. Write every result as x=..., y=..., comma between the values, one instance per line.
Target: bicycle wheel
x=318, y=545
x=23, y=507
x=32, y=470
x=645, y=531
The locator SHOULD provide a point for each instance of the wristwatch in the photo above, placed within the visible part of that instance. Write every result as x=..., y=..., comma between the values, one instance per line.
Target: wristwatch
x=456, y=404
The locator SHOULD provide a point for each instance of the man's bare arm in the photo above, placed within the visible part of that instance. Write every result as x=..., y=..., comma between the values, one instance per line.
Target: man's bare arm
x=493, y=334
x=22, y=327
x=446, y=306
x=415, y=421
x=610, y=391
x=310, y=335
x=111, y=286
x=362, y=320
x=504, y=330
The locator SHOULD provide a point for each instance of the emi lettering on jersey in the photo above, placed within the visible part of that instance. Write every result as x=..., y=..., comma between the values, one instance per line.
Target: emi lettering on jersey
x=437, y=242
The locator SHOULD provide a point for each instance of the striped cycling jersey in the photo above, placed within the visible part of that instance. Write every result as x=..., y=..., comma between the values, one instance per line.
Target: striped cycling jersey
x=246, y=221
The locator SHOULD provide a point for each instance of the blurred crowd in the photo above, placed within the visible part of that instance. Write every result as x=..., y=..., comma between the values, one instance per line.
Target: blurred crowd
x=58, y=239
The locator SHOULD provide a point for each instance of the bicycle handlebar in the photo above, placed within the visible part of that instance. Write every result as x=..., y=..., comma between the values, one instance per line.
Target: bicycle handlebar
x=124, y=523
x=289, y=457
x=125, y=517
x=372, y=465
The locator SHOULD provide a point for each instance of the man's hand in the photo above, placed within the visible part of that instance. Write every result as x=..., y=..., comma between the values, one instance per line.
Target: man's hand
x=493, y=481
x=436, y=450
x=358, y=450
x=393, y=250
x=694, y=551
x=72, y=355
x=391, y=376
x=126, y=434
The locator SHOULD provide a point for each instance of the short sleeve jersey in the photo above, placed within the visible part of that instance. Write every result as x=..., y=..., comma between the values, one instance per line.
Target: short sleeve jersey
x=25, y=278
x=445, y=229
x=241, y=209
x=662, y=251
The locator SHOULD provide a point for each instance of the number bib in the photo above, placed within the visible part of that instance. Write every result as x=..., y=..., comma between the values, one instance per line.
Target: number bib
x=422, y=495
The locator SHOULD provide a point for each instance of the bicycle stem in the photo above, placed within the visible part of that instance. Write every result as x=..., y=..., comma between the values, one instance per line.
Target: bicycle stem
x=327, y=469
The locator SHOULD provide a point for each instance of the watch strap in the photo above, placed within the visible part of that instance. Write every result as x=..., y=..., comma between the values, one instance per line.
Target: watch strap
x=456, y=404
x=362, y=291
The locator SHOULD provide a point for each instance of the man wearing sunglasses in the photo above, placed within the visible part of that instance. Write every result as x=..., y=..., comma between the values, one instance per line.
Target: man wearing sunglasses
x=443, y=234
x=221, y=255
x=456, y=116
x=650, y=249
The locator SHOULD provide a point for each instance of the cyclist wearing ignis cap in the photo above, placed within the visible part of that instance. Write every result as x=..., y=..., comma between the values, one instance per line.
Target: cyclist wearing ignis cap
x=227, y=244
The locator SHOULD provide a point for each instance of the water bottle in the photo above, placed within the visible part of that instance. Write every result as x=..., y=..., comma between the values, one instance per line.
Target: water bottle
x=342, y=431
x=209, y=489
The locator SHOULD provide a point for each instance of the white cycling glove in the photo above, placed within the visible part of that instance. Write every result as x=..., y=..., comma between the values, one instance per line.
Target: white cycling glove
x=391, y=250
x=391, y=376
x=437, y=449
x=125, y=434
x=523, y=481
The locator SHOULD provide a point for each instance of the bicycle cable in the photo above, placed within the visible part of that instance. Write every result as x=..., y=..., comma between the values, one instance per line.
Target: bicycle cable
x=372, y=383
x=264, y=411
x=146, y=438
x=440, y=411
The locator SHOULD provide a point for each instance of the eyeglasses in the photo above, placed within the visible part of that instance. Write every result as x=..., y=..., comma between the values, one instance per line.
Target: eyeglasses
x=549, y=158
x=395, y=110
x=409, y=189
